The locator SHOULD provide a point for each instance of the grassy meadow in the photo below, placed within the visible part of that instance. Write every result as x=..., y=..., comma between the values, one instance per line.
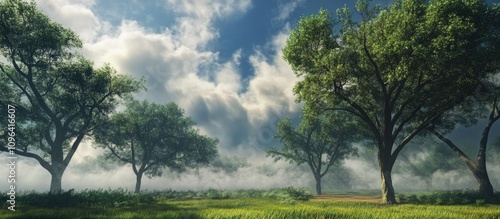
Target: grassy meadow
x=277, y=203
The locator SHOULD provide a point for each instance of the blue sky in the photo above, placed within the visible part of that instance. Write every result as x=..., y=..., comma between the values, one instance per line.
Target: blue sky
x=219, y=60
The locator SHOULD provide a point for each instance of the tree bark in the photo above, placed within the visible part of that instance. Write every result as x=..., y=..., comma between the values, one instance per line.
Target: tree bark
x=56, y=181
x=485, y=187
x=318, y=184
x=386, y=164
x=481, y=175
x=138, y=182
x=388, y=195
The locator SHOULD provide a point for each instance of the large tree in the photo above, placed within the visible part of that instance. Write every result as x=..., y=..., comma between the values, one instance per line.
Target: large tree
x=151, y=137
x=58, y=94
x=318, y=141
x=398, y=69
x=485, y=103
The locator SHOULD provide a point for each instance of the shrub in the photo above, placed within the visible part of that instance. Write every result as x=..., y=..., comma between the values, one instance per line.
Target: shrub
x=480, y=202
x=85, y=198
x=453, y=197
x=297, y=193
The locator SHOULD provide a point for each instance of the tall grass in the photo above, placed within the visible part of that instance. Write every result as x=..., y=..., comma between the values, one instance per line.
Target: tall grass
x=250, y=208
x=241, y=204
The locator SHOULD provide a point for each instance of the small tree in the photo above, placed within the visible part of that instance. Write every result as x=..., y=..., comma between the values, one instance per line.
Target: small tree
x=151, y=137
x=317, y=141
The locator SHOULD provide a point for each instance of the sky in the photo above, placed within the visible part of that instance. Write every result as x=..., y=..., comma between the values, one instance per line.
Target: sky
x=219, y=60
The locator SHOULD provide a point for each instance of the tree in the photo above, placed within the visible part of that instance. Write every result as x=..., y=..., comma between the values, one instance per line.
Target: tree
x=151, y=137
x=472, y=109
x=317, y=141
x=398, y=69
x=58, y=94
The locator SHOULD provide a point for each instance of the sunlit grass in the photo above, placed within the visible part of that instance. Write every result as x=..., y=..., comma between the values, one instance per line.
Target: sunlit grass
x=261, y=208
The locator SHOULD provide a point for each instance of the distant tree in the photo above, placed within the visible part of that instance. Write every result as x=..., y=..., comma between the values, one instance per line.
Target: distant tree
x=485, y=103
x=58, y=95
x=151, y=137
x=398, y=69
x=318, y=142
x=228, y=164
x=425, y=156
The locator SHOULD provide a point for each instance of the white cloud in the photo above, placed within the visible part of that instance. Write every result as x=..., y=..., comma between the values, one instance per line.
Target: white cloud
x=271, y=88
x=195, y=26
x=286, y=8
x=76, y=15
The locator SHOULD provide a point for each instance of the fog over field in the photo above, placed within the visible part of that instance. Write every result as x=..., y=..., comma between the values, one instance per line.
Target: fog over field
x=221, y=61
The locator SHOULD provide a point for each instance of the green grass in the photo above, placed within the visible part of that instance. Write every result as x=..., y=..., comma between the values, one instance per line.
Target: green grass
x=260, y=208
x=275, y=203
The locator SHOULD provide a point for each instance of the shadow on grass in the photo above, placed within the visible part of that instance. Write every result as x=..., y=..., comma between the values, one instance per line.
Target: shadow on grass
x=140, y=211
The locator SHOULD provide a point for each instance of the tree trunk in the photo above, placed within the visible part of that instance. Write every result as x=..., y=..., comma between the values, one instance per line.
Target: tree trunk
x=56, y=171
x=385, y=164
x=485, y=186
x=318, y=184
x=481, y=174
x=388, y=195
x=56, y=181
x=138, y=182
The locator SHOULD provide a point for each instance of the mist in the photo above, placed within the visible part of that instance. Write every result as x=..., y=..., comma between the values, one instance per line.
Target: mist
x=249, y=168
x=237, y=97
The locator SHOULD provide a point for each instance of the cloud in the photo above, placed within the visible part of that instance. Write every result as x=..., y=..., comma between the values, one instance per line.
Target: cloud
x=76, y=15
x=286, y=8
x=179, y=67
x=197, y=18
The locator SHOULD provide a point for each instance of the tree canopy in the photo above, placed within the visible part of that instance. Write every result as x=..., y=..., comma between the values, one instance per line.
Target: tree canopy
x=318, y=142
x=398, y=69
x=58, y=94
x=151, y=137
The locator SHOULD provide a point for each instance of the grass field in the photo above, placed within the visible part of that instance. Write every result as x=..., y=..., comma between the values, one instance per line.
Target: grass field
x=329, y=206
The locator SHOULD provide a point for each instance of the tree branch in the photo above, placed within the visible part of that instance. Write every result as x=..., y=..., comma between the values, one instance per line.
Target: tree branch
x=470, y=163
x=46, y=165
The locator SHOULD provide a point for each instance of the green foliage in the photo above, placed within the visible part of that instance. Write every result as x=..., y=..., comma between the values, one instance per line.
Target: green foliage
x=288, y=193
x=393, y=69
x=121, y=197
x=151, y=137
x=28, y=36
x=58, y=94
x=480, y=202
x=319, y=141
x=85, y=198
x=299, y=194
x=454, y=197
x=330, y=134
x=249, y=208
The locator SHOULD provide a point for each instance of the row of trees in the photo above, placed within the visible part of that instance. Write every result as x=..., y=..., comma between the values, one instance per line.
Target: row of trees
x=61, y=99
x=414, y=68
